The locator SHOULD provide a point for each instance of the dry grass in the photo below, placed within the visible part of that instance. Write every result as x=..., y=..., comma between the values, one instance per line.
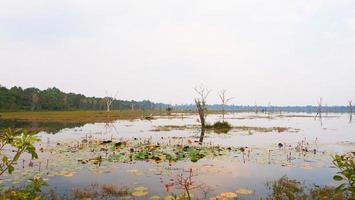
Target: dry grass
x=100, y=191
x=84, y=193
x=116, y=191
x=78, y=116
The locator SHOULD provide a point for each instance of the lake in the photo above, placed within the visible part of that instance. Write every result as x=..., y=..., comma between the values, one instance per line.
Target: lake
x=259, y=148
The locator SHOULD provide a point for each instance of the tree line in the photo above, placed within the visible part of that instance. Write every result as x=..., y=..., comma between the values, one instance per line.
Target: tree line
x=34, y=99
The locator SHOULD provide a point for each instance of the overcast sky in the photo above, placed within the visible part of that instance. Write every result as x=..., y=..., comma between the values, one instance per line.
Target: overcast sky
x=283, y=52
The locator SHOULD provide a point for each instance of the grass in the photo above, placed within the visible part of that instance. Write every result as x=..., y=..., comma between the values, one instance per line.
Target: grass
x=78, y=116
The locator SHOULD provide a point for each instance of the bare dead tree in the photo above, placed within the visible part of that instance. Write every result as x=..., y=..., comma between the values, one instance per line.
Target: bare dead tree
x=223, y=96
x=201, y=108
x=187, y=184
x=326, y=109
x=350, y=110
x=34, y=101
x=269, y=110
x=109, y=100
x=350, y=106
x=256, y=108
x=319, y=109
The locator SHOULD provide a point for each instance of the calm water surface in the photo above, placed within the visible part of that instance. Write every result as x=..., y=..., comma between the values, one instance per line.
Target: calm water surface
x=333, y=134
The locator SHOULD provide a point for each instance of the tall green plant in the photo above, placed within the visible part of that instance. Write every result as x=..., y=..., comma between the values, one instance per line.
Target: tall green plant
x=345, y=163
x=19, y=141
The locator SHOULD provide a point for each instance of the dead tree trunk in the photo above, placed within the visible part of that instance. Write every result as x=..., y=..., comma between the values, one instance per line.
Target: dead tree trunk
x=109, y=100
x=202, y=109
x=319, y=109
x=201, y=112
x=350, y=106
x=108, y=103
x=224, y=100
x=350, y=111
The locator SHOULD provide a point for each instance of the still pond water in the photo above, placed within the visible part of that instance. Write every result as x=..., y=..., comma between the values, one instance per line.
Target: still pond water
x=262, y=159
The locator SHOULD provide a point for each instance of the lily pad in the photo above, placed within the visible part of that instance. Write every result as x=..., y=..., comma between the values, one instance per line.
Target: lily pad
x=245, y=191
x=139, y=193
x=228, y=194
x=155, y=197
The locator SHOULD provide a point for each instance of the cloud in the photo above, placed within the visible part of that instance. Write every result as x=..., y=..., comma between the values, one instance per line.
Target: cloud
x=259, y=50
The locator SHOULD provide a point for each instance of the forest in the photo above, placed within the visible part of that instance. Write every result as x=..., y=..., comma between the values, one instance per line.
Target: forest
x=34, y=99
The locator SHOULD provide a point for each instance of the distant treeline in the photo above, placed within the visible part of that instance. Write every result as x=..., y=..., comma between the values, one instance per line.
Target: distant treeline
x=308, y=108
x=34, y=99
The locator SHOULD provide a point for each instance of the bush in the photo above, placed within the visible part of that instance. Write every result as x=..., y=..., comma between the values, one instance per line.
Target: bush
x=220, y=127
x=31, y=191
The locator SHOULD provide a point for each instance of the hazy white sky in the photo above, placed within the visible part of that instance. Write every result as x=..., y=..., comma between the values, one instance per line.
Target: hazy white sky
x=278, y=51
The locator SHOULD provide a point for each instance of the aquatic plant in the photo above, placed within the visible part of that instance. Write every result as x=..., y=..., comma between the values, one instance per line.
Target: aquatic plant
x=285, y=188
x=325, y=192
x=29, y=192
x=159, y=152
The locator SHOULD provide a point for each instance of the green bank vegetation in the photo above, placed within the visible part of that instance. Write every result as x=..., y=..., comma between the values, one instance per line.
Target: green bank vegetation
x=34, y=99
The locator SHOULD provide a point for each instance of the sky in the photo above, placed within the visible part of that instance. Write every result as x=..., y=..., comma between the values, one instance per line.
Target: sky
x=279, y=52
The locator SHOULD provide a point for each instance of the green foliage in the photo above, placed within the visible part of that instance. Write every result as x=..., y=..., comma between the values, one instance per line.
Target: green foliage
x=16, y=98
x=326, y=193
x=345, y=163
x=285, y=188
x=20, y=141
x=29, y=192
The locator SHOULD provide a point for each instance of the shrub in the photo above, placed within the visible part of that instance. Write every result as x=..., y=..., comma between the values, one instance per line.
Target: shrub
x=220, y=127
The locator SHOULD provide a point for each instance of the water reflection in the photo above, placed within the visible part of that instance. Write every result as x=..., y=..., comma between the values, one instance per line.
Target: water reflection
x=48, y=127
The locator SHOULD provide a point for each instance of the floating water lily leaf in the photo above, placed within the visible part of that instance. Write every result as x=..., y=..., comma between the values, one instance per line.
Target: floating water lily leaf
x=140, y=188
x=133, y=171
x=245, y=191
x=228, y=194
x=155, y=197
x=139, y=174
x=139, y=193
x=218, y=198
x=307, y=166
x=69, y=174
x=169, y=197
